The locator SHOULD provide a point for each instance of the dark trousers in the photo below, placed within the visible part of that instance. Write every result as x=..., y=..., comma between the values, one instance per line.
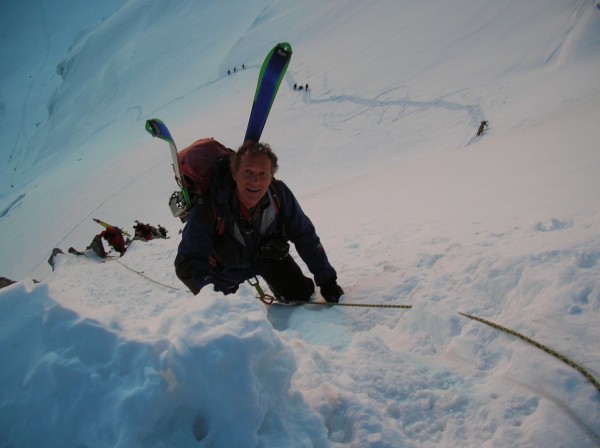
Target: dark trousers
x=286, y=280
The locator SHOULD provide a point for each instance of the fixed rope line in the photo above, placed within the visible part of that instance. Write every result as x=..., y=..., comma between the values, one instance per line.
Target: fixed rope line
x=268, y=299
x=362, y=305
x=148, y=278
x=542, y=347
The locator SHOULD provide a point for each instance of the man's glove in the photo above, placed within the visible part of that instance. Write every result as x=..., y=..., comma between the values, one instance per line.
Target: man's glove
x=331, y=292
x=224, y=288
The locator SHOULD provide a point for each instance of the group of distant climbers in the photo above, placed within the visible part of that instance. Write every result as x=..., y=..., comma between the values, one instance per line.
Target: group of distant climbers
x=300, y=87
x=235, y=69
x=116, y=238
x=296, y=85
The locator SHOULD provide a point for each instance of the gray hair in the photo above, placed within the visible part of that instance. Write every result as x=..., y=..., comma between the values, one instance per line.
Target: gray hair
x=254, y=148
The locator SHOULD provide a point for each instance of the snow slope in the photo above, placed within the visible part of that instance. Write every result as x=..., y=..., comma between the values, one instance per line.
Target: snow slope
x=411, y=208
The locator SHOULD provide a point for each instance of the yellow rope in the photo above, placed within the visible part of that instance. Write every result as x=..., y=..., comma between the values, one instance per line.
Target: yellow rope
x=548, y=350
x=147, y=278
x=362, y=305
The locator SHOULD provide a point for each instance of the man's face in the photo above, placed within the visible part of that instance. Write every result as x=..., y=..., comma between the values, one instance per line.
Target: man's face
x=252, y=178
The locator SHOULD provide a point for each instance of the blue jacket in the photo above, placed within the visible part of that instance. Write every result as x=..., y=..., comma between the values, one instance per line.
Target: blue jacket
x=218, y=246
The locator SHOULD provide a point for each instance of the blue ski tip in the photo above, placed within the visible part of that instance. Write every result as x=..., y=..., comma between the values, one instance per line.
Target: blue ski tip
x=157, y=128
x=272, y=72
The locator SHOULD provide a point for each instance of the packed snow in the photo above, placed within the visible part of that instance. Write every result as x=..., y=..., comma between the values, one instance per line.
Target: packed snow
x=412, y=208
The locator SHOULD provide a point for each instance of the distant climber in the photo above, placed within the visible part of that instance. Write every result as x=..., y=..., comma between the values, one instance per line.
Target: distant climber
x=116, y=240
x=114, y=237
x=482, y=128
x=146, y=232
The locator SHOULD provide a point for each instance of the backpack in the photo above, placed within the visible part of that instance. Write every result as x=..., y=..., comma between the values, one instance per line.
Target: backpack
x=196, y=167
x=196, y=162
x=146, y=232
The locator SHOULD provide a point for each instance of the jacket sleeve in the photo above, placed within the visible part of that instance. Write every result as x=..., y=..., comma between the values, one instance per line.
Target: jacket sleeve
x=192, y=261
x=301, y=231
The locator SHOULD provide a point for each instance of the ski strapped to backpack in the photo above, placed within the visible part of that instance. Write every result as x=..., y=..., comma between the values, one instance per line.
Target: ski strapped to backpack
x=269, y=79
x=179, y=202
x=193, y=166
x=108, y=226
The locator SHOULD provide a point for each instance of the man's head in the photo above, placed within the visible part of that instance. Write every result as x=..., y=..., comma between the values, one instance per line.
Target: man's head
x=253, y=166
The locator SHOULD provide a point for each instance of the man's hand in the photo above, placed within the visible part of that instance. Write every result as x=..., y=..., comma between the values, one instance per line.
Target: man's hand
x=224, y=288
x=331, y=292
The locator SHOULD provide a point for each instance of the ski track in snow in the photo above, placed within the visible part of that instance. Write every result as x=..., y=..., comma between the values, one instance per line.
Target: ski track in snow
x=404, y=107
x=398, y=108
x=12, y=206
